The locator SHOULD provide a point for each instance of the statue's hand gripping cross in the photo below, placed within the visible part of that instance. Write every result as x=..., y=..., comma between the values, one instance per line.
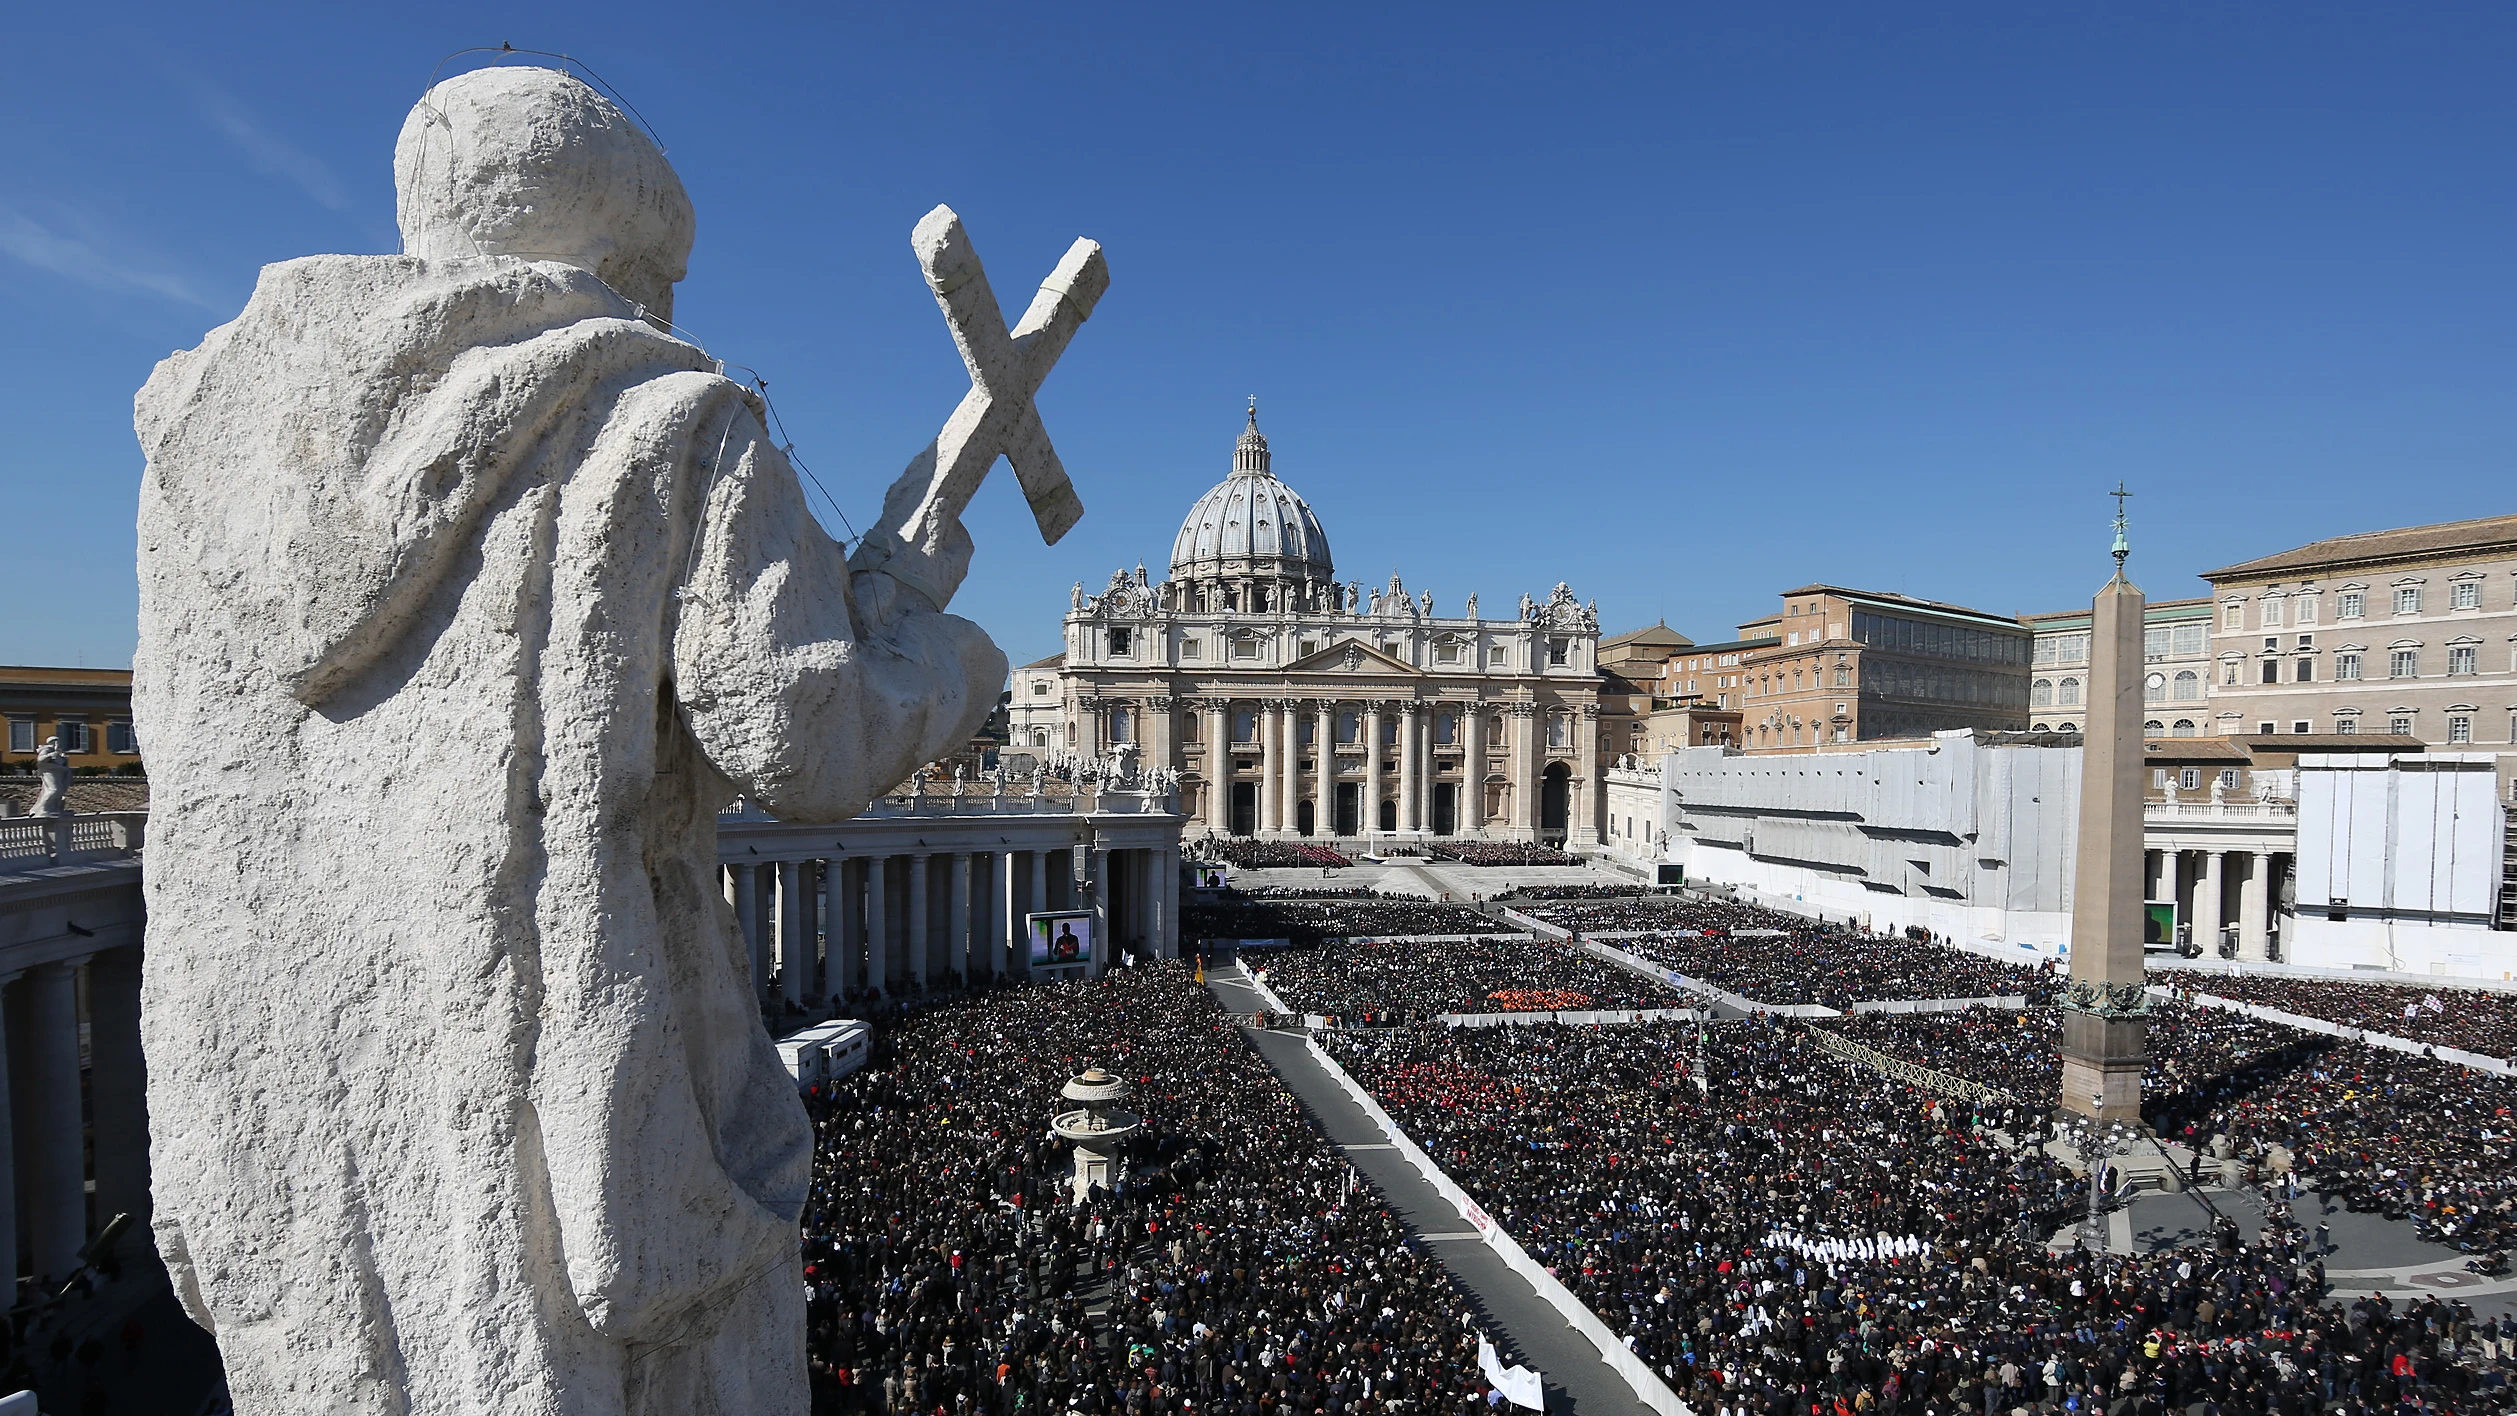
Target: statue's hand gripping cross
x=919, y=540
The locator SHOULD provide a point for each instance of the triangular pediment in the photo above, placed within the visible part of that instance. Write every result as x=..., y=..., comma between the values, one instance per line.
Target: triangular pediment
x=1351, y=656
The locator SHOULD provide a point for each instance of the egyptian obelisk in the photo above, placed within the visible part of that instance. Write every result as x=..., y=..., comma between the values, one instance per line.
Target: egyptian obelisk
x=2106, y=1010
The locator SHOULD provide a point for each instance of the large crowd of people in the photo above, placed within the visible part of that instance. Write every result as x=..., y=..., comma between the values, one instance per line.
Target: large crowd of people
x=1802, y=1235
x=1251, y=854
x=2409, y=1137
x=1399, y=981
x=2473, y=1019
x=1458, y=852
x=1311, y=921
x=1241, y=1268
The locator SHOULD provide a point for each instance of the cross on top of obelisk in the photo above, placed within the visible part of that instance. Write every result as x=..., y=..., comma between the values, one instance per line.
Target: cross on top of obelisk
x=2123, y=546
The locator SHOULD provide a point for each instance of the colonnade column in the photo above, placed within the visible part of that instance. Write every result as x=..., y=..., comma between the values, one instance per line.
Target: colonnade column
x=918, y=940
x=1042, y=862
x=1098, y=898
x=1167, y=863
x=1371, y=809
x=790, y=930
x=117, y=1088
x=1000, y=909
x=1324, y=755
x=2150, y=873
x=747, y=922
x=877, y=925
x=957, y=921
x=1472, y=804
x=1271, y=763
x=2209, y=896
x=47, y=1121
x=1411, y=721
x=2254, y=907
x=839, y=935
x=1218, y=766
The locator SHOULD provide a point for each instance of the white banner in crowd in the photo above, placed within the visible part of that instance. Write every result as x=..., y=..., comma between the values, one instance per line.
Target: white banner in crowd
x=1519, y=1385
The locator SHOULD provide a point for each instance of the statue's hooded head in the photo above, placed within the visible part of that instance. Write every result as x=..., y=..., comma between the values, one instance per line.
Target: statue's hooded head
x=523, y=161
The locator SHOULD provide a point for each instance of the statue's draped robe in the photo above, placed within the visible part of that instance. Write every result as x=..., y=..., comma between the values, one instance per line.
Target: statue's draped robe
x=466, y=600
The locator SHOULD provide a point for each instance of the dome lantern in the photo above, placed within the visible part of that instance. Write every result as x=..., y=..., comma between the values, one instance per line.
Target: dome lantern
x=1251, y=526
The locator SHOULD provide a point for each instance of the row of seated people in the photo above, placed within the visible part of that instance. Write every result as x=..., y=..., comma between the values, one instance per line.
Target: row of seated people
x=1241, y=1267
x=1520, y=893
x=1497, y=853
x=2383, y=1131
x=1805, y=1235
x=1268, y=855
x=1407, y=980
x=1785, y=960
x=2473, y=1019
x=1311, y=921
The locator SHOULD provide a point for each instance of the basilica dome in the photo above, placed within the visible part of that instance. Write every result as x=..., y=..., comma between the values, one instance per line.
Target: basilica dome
x=1251, y=524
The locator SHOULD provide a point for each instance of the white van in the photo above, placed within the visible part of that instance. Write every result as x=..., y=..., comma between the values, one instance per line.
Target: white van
x=825, y=1052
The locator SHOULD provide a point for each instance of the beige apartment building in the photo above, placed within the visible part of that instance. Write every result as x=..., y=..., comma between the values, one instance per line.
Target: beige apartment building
x=2410, y=632
x=1851, y=666
x=2176, y=669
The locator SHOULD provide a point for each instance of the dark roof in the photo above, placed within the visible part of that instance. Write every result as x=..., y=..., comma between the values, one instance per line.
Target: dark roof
x=1889, y=599
x=1760, y=641
x=1054, y=661
x=2364, y=547
x=1656, y=635
x=2246, y=747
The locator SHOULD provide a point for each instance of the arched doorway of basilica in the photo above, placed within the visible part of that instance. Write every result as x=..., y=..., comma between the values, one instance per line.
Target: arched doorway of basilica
x=1349, y=808
x=1245, y=808
x=1555, y=801
x=1303, y=816
x=1389, y=813
x=1446, y=808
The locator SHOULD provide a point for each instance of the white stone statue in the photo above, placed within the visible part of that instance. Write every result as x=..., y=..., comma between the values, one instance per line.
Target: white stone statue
x=467, y=597
x=52, y=780
x=1471, y=611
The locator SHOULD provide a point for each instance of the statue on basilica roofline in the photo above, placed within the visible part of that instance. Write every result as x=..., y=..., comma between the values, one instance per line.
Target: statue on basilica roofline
x=1471, y=611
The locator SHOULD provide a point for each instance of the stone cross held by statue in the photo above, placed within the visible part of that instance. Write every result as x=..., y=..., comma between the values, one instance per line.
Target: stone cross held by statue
x=997, y=416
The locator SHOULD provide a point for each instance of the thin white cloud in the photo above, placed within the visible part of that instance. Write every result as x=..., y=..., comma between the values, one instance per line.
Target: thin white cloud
x=270, y=154
x=32, y=243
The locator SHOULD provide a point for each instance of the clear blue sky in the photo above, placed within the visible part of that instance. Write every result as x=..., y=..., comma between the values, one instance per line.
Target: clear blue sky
x=1683, y=304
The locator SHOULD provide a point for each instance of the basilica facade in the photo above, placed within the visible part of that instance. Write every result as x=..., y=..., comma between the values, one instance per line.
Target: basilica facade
x=1293, y=705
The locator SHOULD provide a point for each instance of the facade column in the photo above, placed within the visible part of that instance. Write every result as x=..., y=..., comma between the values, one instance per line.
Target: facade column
x=1371, y=810
x=747, y=922
x=2254, y=907
x=1411, y=744
x=878, y=924
x=1167, y=892
x=1472, y=809
x=1156, y=716
x=919, y=941
x=1524, y=725
x=1271, y=767
x=957, y=923
x=2209, y=896
x=1582, y=822
x=791, y=931
x=1324, y=754
x=1000, y=909
x=54, y=1170
x=117, y=1082
x=1290, y=813
x=1218, y=766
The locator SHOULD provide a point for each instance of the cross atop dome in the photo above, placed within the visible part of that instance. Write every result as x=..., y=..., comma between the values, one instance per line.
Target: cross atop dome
x=1251, y=526
x=1249, y=456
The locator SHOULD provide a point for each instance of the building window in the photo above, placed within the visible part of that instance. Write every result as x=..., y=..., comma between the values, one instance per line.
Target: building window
x=73, y=735
x=2305, y=672
x=2400, y=726
x=2185, y=728
x=2465, y=595
x=2271, y=671
x=119, y=737
x=2346, y=666
x=21, y=734
x=2154, y=642
x=1349, y=728
x=1192, y=649
x=1557, y=652
x=1446, y=729
x=1446, y=652
x=2306, y=610
x=2403, y=663
x=1245, y=647
x=2267, y=729
x=1839, y=735
x=1244, y=725
x=2154, y=687
x=2154, y=727
x=2271, y=611
x=2407, y=599
x=1843, y=677
x=2350, y=605
x=2459, y=727
x=2067, y=693
x=1122, y=725
x=1559, y=731
x=2188, y=686
x=1070, y=735
x=2188, y=640
x=2071, y=727
x=2233, y=615
x=1189, y=727
x=2228, y=672
x=2228, y=779
x=2346, y=725
x=2463, y=658
x=1122, y=641
x=2302, y=726
x=2041, y=694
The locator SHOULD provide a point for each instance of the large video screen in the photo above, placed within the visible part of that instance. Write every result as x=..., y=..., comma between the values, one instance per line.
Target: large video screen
x=1061, y=938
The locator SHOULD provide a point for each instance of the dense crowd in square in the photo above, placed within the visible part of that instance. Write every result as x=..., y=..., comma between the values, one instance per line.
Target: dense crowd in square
x=1807, y=1236
x=1397, y=981
x=2473, y=1019
x=2407, y=1137
x=1244, y=1266
x=1252, y=854
x=1458, y=852
x=1313, y=921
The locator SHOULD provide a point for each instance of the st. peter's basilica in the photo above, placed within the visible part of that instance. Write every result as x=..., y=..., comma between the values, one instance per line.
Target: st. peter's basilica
x=1237, y=669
